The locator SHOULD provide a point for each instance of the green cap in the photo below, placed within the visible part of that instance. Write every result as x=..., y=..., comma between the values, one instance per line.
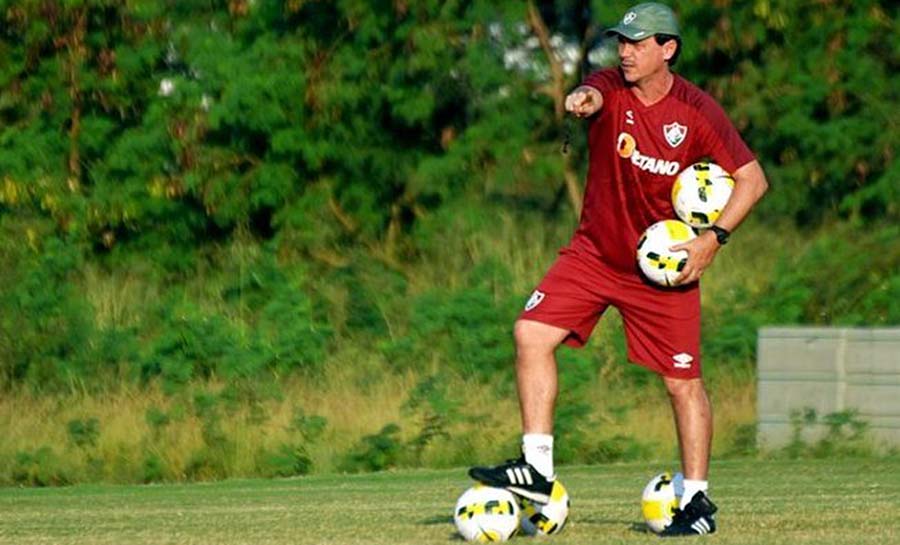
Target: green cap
x=646, y=20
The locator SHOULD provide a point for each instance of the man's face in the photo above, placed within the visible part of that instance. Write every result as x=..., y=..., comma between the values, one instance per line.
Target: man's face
x=644, y=58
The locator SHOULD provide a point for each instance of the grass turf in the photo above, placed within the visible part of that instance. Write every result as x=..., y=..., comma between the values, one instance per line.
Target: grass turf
x=761, y=502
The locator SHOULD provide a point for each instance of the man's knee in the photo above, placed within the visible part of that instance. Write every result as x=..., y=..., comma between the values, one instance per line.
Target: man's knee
x=681, y=388
x=537, y=337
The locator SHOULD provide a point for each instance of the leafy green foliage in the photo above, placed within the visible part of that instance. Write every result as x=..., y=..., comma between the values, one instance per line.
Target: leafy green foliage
x=467, y=326
x=810, y=89
x=437, y=410
x=84, y=433
x=40, y=467
x=845, y=435
x=310, y=427
x=284, y=178
x=154, y=469
x=277, y=330
x=377, y=451
x=744, y=443
x=46, y=325
x=847, y=278
x=840, y=277
x=343, y=135
x=291, y=459
x=287, y=461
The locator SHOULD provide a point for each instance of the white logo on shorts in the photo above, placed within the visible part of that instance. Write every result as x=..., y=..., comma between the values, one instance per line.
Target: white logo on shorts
x=534, y=300
x=683, y=360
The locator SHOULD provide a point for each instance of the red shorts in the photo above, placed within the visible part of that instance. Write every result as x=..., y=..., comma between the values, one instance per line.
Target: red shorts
x=662, y=325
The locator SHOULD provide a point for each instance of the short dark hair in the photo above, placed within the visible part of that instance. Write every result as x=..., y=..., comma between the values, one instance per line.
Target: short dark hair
x=663, y=38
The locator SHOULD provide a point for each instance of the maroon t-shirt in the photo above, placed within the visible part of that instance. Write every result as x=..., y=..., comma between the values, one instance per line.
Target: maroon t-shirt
x=636, y=151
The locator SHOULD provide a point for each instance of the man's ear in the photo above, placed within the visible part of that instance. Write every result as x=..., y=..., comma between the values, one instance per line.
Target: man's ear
x=669, y=49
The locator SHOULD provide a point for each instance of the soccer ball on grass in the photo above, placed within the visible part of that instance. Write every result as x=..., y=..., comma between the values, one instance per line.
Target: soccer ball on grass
x=485, y=514
x=546, y=519
x=659, y=499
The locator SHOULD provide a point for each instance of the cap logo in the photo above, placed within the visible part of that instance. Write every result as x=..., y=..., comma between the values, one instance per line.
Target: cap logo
x=629, y=17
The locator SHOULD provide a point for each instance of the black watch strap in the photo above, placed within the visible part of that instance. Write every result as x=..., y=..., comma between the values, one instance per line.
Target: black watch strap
x=722, y=234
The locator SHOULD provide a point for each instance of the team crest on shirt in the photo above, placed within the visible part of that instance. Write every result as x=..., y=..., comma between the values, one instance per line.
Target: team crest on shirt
x=674, y=133
x=534, y=300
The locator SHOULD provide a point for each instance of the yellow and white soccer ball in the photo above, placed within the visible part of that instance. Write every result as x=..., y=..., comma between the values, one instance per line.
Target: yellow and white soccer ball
x=660, y=498
x=486, y=514
x=549, y=518
x=700, y=193
x=655, y=259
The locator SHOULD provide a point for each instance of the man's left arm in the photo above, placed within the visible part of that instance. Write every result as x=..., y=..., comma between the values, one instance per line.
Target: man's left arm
x=749, y=186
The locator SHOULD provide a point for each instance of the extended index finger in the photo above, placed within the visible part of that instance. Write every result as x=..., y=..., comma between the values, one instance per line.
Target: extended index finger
x=574, y=100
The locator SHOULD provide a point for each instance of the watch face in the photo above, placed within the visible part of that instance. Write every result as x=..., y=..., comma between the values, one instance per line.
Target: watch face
x=721, y=234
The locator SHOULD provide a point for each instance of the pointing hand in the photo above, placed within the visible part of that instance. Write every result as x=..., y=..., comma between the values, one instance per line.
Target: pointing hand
x=584, y=101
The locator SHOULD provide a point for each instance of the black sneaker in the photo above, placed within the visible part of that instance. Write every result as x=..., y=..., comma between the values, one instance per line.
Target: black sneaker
x=696, y=518
x=517, y=476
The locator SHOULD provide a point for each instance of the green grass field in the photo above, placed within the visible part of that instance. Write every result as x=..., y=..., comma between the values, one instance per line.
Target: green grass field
x=761, y=502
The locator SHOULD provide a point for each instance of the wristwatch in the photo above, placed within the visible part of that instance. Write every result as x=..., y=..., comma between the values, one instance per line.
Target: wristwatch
x=722, y=234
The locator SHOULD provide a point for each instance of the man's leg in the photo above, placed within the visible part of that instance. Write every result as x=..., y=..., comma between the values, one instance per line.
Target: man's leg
x=571, y=297
x=531, y=476
x=693, y=422
x=536, y=374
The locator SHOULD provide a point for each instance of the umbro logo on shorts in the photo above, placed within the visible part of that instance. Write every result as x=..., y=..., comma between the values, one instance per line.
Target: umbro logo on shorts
x=534, y=300
x=683, y=360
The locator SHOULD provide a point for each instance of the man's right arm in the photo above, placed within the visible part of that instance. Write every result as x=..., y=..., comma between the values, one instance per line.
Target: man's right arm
x=584, y=101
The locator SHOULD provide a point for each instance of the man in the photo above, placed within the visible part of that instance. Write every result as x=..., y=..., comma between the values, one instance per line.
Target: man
x=646, y=125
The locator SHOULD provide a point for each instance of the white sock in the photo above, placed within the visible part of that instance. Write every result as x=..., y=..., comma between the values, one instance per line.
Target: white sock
x=691, y=487
x=538, y=451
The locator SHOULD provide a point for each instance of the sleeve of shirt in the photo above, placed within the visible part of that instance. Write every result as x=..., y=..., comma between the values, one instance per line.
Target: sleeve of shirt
x=605, y=81
x=722, y=142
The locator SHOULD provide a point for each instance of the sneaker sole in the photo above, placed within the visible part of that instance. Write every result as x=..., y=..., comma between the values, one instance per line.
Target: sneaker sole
x=704, y=528
x=537, y=497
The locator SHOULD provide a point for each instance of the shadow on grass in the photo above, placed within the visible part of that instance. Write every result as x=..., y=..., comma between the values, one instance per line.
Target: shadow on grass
x=437, y=519
x=638, y=527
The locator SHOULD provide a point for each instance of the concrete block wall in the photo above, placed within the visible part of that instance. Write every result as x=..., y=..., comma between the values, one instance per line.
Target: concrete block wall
x=829, y=370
